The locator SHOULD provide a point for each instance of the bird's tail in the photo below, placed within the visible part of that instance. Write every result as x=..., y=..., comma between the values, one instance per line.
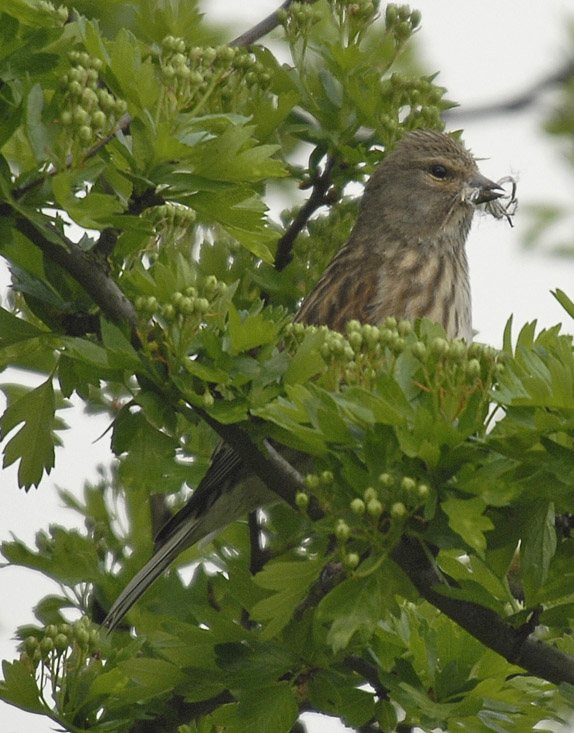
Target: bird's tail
x=221, y=497
x=187, y=535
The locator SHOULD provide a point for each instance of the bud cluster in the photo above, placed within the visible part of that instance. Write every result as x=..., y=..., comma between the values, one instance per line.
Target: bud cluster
x=298, y=19
x=89, y=110
x=401, y=21
x=189, y=305
x=376, y=516
x=359, y=356
x=422, y=98
x=191, y=74
x=171, y=222
x=59, y=648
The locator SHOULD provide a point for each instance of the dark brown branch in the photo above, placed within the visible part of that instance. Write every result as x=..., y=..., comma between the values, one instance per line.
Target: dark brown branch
x=137, y=205
x=181, y=713
x=87, y=272
x=516, y=104
x=536, y=657
x=317, y=199
x=265, y=26
x=277, y=473
x=369, y=673
x=331, y=575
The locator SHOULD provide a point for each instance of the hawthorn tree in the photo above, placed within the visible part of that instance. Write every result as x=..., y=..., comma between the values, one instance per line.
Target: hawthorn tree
x=420, y=574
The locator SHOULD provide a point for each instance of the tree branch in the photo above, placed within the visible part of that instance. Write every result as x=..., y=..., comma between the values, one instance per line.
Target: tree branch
x=317, y=199
x=181, y=713
x=87, y=271
x=525, y=99
x=277, y=474
x=536, y=657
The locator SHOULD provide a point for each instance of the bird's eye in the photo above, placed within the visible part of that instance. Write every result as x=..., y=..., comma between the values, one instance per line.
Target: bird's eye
x=439, y=171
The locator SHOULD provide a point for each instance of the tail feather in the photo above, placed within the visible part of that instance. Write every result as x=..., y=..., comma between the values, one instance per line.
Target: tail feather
x=186, y=536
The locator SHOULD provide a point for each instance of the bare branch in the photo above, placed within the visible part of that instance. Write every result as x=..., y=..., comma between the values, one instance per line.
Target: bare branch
x=516, y=104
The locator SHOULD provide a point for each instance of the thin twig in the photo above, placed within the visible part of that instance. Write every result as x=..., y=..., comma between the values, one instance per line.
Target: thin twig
x=318, y=198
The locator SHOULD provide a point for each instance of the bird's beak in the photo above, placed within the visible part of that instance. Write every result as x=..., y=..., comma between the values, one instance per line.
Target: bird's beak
x=480, y=189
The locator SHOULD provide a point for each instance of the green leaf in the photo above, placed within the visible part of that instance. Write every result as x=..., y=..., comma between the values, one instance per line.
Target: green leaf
x=291, y=580
x=13, y=329
x=307, y=361
x=352, y=606
x=538, y=546
x=153, y=676
x=466, y=518
x=19, y=688
x=35, y=129
x=148, y=451
x=332, y=693
x=34, y=443
x=121, y=354
x=92, y=210
x=65, y=555
x=254, y=330
x=270, y=709
x=564, y=301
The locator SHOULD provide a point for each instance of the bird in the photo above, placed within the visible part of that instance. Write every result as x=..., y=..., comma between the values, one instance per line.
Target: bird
x=404, y=258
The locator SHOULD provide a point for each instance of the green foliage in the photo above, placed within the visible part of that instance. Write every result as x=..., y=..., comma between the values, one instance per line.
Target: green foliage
x=466, y=451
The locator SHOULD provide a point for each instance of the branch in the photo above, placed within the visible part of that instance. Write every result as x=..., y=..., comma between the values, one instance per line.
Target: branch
x=137, y=205
x=276, y=473
x=317, y=199
x=181, y=713
x=517, y=103
x=536, y=657
x=516, y=646
x=265, y=26
x=87, y=272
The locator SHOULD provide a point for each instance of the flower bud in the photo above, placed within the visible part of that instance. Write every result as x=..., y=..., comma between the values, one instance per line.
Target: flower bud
x=357, y=506
x=398, y=510
x=302, y=500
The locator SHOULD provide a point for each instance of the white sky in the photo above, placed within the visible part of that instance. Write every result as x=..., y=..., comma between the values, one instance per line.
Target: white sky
x=485, y=51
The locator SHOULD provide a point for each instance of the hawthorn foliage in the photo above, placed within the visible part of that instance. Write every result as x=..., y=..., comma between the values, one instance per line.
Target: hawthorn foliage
x=421, y=575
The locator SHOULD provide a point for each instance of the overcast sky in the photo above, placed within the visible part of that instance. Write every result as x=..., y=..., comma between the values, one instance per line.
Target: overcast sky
x=485, y=51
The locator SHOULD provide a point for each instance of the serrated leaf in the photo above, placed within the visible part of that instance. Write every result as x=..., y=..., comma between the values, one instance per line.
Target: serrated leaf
x=564, y=301
x=155, y=676
x=352, y=606
x=466, y=518
x=33, y=445
x=121, y=354
x=538, y=545
x=66, y=556
x=272, y=709
x=254, y=330
x=13, y=329
x=292, y=580
x=307, y=361
x=19, y=688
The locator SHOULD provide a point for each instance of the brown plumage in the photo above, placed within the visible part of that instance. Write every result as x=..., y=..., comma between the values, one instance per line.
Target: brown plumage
x=404, y=258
